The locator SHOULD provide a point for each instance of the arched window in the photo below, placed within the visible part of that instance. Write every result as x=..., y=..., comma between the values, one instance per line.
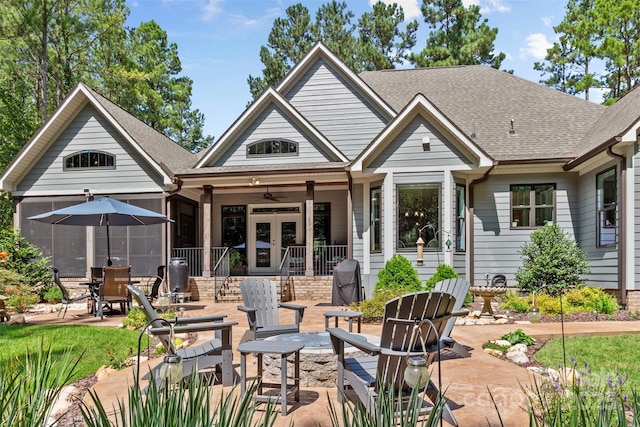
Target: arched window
x=273, y=147
x=89, y=159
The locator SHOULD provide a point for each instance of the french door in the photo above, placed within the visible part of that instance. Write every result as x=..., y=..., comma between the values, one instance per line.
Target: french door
x=272, y=228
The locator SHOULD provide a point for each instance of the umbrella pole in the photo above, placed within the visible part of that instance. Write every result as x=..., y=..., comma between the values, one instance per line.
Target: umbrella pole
x=109, y=263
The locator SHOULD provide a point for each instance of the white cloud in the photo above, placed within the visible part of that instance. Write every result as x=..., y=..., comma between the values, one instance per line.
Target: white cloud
x=210, y=9
x=410, y=7
x=241, y=20
x=537, y=45
x=488, y=6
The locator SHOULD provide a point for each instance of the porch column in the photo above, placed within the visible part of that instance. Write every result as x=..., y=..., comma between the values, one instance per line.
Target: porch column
x=350, y=218
x=207, y=209
x=308, y=271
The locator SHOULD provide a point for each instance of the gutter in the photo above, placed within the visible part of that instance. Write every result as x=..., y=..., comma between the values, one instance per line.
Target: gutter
x=622, y=245
x=484, y=178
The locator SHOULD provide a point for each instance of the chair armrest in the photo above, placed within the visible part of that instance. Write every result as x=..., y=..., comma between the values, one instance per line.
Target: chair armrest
x=460, y=313
x=193, y=328
x=200, y=319
x=340, y=335
x=297, y=307
x=251, y=315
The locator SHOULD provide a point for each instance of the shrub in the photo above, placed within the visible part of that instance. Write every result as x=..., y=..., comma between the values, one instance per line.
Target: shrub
x=135, y=319
x=398, y=274
x=443, y=271
x=580, y=299
x=373, y=309
x=9, y=279
x=52, y=295
x=552, y=262
x=20, y=298
x=25, y=258
x=519, y=337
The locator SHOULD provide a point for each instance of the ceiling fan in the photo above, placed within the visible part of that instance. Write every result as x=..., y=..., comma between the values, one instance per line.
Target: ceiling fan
x=269, y=196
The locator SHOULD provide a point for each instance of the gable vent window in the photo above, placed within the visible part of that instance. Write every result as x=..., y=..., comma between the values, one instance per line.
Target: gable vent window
x=89, y=159
x=273, y=147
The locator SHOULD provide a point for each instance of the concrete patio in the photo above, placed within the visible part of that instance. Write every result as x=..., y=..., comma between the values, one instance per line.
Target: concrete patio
x=466, y=381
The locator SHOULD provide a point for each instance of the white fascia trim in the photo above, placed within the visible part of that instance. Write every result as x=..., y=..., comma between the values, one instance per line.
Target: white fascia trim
x=270, y=95
x=320, y=50
x=166, y=178
x=35, y=140
x=419, y=101
x=238, y=124
x=99, y=192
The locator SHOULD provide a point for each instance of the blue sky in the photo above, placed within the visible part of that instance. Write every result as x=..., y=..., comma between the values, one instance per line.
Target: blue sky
x=219, y=41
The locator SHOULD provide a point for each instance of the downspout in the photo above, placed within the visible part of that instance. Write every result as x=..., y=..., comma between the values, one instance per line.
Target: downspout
x=622, y=246
x=470, y=239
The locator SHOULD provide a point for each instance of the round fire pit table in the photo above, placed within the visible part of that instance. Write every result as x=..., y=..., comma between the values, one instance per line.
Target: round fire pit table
x=318, y=363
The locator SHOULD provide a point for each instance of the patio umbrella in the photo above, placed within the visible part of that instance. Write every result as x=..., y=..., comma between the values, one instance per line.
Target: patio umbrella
x=102, y=212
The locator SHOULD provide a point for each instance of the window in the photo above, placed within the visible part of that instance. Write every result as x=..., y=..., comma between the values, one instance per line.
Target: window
x=322, y=223
x=375, y=229
x=234, y=227
x=272, y=147
x=418, y=216
x=461, y=206
x=606, y=194
x=532, y=205
x=89, y=159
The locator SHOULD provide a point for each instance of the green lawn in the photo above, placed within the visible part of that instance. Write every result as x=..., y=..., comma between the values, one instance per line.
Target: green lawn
x=604, y=356
x=92, y=346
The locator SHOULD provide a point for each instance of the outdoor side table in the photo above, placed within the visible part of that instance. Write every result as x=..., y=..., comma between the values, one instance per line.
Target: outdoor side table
x=350, y=315
x=284, y=349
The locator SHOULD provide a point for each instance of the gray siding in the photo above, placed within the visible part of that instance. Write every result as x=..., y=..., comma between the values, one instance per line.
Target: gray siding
x=336, y=109
x=496, y=246
x=459, y=264
x=406, y=148
x=272, y=123
x=89, y=130
x=603, y=260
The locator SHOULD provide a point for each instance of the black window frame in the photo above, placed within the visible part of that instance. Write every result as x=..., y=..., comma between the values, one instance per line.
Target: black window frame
x=375, y=219
x=322, y=211
x=268, y=145
x=533, y=206
x=606, y=208
x=461, y=216
x=421, y=221
x=84, y=160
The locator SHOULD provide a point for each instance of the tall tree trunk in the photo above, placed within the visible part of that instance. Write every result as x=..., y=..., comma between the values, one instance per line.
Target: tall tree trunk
x=43, y=59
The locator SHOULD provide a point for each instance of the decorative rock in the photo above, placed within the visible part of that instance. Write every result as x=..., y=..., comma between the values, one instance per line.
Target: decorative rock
x=518, y=354
x=522, y=348
x=104, y=371
x=18, y=319
x=502, y=343
x=476, y=314
x=493, y=352
x=501, y=321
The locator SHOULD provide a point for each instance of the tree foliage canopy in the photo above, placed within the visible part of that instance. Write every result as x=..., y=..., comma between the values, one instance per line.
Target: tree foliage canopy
x=374, y=42
x=459, y=36
x=595, y=31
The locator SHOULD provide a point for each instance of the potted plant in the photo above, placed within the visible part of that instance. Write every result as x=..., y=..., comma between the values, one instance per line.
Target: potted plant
x=237, y=263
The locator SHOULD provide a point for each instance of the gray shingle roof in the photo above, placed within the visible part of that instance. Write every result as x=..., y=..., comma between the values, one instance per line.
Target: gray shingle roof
x=161, y=148
x=549, y=124
x=615, y=121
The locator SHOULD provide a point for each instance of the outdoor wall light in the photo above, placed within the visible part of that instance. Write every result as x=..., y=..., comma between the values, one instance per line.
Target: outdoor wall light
x=416, y=374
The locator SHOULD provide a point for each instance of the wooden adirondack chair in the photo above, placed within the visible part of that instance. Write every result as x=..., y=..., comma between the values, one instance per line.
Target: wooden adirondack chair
x=386, y=365
x=459, y=289
x=211, y=353
x=260, y=298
